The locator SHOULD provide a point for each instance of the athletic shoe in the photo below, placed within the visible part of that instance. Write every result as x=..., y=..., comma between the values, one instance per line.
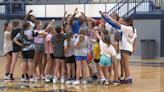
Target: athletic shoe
x=55, y=80
x=106, y=82
x=90, y=80
x=119, y=79
x=32, y=80
x=72, y=81
x=23, y=79
x=35, y=80
x=76, y=82
x=127, y=81
x=42, y=77
x=84, y=82
x=11, y=80
x=68, y=82
x=27, y=79
x=62, y=80
x=98, y=80
x=36, y=76
x=102, y=80
x=7, y=77
x=115, y=82
x=47, y=80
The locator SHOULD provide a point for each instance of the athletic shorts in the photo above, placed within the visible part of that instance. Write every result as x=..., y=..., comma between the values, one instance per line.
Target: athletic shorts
x=70, y=59
x=16, y=49
x=59, y=57
x=97, y=60
x=105, y=61
x=10, y=53
x=127, y=52
x=52, y=56
x=39, y=48
x=80, y=58
x=28, y=56
x=118, y=60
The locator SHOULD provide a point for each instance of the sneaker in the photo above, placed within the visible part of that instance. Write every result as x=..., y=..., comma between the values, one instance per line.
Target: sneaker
x=106, y=82
x=47, y=80
x=32, y=80
x=7, y=77
x=27, y=79
x=62, y=80
x=36, y=76
x=119, y=79
x=11, y=80
x=84, y=82
x=35, y=80
x=55, y=80
x=72, y=81
x=98, y=80
x=102, y=80
x=90, y=80
x=42, y=77
x=115, y=82
x=76, y=82
x=68, y=82
x=23, y=79
x=127, y=81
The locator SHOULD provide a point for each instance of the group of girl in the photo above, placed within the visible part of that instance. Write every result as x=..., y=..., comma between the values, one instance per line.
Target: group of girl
x=101, y=45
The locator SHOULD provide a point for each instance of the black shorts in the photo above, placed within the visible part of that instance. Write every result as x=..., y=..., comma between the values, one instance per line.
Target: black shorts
x=52, y=56
x=28, y=56
x=59, y=57
x=127, y=52
x=10, y=53
x=70, y=59
x=96, y=60
x=16, y=49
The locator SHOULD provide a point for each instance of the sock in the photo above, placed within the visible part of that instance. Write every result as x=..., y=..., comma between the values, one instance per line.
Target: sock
x=62, y=77
x=27, y=76
x=69, y=79
x=55, y=77
x=47, y=76
x=51, y=76
x=121, y=75
x=102, y=77
x=7, y=74
x=73, y=78
x=129, y=77
x=22, y=75
x=11, y=75
x=31, y=76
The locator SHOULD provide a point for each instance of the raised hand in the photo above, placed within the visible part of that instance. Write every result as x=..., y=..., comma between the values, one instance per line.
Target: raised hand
x=87, y=18
x=100, y=12
x=65, y=12
x=30, y=11
x=76, y=12
x=83, y=14
x=53, y=20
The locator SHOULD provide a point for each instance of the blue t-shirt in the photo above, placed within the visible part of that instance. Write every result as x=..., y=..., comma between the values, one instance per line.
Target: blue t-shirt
x=76, y=27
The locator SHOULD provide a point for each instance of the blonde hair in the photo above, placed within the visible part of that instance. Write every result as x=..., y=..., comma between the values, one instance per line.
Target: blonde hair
x=51, y=27
x=82, y=32
x=103, y=25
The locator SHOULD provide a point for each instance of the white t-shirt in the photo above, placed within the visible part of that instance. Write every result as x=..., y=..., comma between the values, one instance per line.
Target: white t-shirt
x=128, y=38
x=32, y=25
x=106, y=50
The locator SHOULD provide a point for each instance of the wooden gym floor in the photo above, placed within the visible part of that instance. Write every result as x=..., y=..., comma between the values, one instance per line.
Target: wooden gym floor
x=147, y=75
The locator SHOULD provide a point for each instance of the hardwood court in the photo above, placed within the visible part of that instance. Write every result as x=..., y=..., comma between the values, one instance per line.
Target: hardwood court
x=147, y=75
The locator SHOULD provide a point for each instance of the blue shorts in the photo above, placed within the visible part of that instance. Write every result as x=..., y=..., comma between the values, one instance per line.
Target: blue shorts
x=80, y=58
x=105, y=61
x=118, y=60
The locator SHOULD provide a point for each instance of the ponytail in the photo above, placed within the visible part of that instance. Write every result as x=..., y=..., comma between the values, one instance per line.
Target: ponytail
x=81, y=37
x=68, y=37
x=117, y=39
x=133, y=28
x=118, y=50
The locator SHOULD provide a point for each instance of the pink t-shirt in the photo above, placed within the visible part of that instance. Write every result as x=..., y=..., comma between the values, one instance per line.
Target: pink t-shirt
x=48, y=38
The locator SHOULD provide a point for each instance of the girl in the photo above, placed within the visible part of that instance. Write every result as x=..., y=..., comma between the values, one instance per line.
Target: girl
x=128, y=44
x=101, y=27
x=49, y=53
x=27, y=43
x=16, y=48
x=70, y=58
x=7, y=48
x=81, y=55
x=57, y=44
x=39, y=49
x=106, y=51
x=69, y=16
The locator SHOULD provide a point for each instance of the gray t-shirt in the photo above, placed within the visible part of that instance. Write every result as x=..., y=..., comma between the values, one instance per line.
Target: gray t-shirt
x=83, y=46
x=58, y=46
x=70, y=50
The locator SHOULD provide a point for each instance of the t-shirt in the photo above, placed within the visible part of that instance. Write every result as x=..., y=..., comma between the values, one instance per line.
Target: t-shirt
x=48, y=38
x=106, y=50
x=98, y=22
x=28, y=39
x=96, y=51
x=82, y=45
x=70, y=50
x=7, y=46
x=39, y=39
x=127, y=38
x=14, y=33
x=32, y=25
x=76, y=27
x=58, y=46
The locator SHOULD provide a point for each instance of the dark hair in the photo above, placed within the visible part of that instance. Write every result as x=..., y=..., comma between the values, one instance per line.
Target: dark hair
x=45, y=25
x=105, y=32
x=129, y=21
x=36, y=22
x=29, y=17
x=68, y=15
x=66, y=25
x=69, y=34
x=107, y=40
x=86, y=31
x=58, y=30
x=104, y=12
x=117, y=38
x=116, y=15
x=25, y=26
x=5, y=25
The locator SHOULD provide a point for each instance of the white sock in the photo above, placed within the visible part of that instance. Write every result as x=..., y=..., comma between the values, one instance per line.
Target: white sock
x=129, y=77
x=55, y=77
x=62, y=77
x=102, y=77
x=47, y=76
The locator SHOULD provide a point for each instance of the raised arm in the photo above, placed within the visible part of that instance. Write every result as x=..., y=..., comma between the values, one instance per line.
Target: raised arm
x=93, y=20
x=63, y=19
x=89, y=24
x=26, y=17
x=113, y=20
x=97, y=34
x=71, y=20
x=52, y=21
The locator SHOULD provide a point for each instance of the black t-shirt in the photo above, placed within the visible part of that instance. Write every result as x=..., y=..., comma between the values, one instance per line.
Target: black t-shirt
x=16, y=48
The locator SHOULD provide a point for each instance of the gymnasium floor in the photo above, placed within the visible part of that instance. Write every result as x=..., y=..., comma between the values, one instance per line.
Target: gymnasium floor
x=147, y=75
